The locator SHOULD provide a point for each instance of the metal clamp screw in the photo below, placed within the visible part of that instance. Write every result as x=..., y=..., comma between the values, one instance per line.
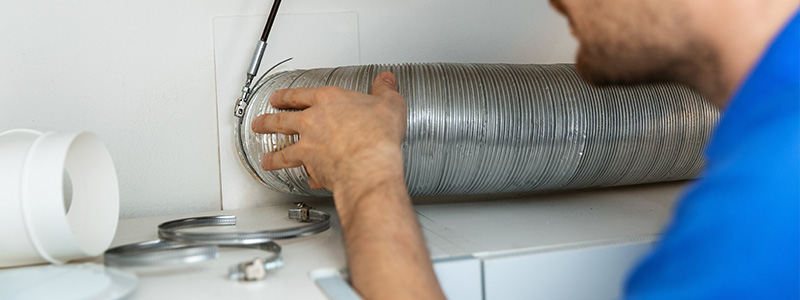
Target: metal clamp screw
x=256, y=269
x=304, y=216
x=241, y=104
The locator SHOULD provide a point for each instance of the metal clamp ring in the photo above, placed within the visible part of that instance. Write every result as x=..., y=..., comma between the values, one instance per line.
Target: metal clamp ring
x=188, y=247
x=171, y=231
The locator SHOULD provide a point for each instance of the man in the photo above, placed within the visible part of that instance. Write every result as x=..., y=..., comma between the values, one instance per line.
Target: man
x=735, y=233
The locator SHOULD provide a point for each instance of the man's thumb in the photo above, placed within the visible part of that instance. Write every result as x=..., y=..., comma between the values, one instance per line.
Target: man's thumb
x=384, y=82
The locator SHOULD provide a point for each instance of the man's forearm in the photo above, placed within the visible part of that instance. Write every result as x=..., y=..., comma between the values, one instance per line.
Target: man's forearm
x=351, y=145
x=387, y=255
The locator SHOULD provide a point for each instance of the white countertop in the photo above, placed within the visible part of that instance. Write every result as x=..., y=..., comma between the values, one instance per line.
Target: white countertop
x=476, y=227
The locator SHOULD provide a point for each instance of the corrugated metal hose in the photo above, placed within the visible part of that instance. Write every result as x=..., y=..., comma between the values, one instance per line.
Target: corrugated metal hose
x=500, y=128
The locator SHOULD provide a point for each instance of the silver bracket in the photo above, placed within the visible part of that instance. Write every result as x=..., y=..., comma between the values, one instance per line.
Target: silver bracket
x=241, y=104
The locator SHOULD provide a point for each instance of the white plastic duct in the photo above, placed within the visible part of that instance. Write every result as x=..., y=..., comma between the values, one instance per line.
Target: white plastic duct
x=37, y=225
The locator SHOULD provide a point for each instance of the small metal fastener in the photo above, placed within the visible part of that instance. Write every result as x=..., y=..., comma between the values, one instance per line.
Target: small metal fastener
x=304, y=216
x=306, y=213
x=241, y=104
x=256, y=269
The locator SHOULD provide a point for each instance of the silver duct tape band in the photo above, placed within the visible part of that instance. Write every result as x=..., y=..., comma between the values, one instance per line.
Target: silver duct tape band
x=498, y=128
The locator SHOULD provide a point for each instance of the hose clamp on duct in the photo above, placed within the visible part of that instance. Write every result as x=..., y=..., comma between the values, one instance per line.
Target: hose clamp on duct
x=37, y=227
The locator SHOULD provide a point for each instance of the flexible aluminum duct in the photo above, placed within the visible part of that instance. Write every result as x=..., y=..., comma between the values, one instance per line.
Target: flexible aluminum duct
x=497, y=128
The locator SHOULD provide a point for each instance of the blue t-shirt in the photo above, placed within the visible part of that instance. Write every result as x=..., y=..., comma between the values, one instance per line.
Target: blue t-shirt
x=736, y=233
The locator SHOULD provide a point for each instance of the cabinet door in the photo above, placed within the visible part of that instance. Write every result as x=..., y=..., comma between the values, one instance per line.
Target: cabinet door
x=460, y=277
x=597, y=272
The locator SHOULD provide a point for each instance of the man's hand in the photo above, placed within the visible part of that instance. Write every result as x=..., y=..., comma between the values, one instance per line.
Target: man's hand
x=345, y=135
x=350, y=144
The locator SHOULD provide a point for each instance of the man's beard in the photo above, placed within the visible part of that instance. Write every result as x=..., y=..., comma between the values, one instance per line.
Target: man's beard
x=692, y=64
x=626, y=64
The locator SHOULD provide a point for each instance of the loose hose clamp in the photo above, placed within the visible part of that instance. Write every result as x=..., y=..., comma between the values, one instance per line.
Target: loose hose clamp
x=319, y=222
x=179, y=247
x=159, y=252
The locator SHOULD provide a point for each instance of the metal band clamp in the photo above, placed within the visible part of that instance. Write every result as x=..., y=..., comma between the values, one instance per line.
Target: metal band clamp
x=178, y=247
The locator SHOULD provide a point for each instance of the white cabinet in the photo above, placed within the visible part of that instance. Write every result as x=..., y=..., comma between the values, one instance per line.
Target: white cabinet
x=584, y=272
x=460, y=277
x=542, y=246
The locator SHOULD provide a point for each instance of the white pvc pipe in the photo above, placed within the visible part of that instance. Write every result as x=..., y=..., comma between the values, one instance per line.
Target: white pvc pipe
x=36, y=227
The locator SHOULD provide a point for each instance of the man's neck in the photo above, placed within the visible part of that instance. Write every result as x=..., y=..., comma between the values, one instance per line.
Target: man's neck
x=739, y=32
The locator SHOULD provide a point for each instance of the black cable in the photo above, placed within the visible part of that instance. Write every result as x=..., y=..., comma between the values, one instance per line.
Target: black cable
x=270, y=20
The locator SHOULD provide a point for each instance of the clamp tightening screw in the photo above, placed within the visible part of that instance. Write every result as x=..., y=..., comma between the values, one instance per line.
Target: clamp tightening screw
x=255, y=269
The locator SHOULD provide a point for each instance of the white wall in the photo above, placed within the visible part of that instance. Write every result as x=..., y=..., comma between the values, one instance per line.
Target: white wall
x=142, y=74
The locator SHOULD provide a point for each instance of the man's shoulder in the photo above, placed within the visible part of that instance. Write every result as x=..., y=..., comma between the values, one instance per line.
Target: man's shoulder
x=734, y=234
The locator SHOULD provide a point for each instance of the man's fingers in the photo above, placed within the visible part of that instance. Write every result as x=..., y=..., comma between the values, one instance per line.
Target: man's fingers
x=384, y=82
x=282, y=122
x=286, y=158
x=312, y=183
x=300, y=98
